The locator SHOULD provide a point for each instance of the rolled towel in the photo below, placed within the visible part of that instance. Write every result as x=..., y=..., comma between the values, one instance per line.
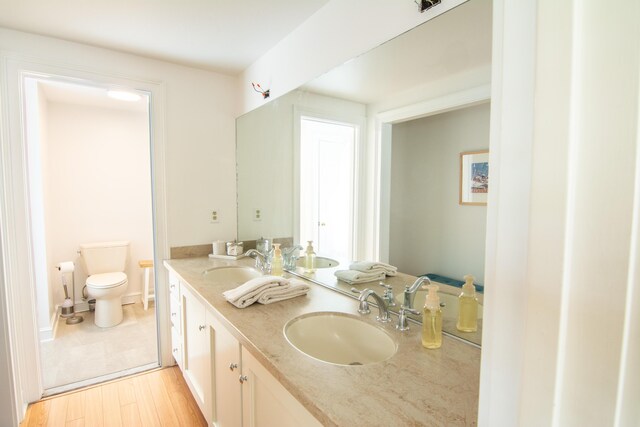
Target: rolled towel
x=353, y=276
x=249, y=292
x=296, y=288
x=374, y=267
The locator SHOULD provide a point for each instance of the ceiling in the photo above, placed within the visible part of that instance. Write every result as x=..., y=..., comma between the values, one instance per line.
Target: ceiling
x=452, y=43
x=219, y=35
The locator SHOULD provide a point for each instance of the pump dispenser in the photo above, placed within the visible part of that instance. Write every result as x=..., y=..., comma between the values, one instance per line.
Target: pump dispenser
x=432, y=319
x=468, y=307
x=310, y=258
x=276, y=262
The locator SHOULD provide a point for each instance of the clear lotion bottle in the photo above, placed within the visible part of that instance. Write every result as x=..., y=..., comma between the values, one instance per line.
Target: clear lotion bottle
x=276, y=262
x=309, y=258
x=432, y=319
x=468, y=307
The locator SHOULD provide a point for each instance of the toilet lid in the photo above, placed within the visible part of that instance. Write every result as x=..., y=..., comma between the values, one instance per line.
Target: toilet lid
x=106, y=280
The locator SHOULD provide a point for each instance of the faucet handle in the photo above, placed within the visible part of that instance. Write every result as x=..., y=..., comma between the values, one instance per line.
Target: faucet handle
x=403, y=324
x=388, y=294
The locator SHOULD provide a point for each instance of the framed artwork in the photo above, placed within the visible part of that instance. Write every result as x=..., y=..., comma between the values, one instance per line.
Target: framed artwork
x=474, y=177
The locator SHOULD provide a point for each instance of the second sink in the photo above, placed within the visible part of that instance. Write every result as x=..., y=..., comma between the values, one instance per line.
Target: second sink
x=339, y=338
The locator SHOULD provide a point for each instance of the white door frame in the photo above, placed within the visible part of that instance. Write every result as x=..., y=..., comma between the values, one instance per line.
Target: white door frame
x=15, y=225
x=358, y=171
x=382, y=166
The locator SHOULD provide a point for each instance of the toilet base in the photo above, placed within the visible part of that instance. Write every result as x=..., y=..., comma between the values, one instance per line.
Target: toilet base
x=108, y=312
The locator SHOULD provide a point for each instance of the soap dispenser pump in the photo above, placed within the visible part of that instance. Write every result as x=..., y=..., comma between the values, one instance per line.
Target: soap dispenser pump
x=432, y=319
x=468, y=307
x=276, y=262
x=309, y=258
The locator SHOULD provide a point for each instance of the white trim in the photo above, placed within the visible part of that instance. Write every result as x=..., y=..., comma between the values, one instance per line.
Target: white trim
x=381, y=203
x=16, y=229
x=443, y=104
x=48, y=334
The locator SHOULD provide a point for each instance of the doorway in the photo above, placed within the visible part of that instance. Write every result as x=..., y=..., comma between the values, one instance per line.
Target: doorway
x=327, y=185
x=89, y=180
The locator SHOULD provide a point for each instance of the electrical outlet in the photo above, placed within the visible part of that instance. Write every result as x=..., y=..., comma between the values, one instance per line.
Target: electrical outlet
x=214, y=216
x=257, y=214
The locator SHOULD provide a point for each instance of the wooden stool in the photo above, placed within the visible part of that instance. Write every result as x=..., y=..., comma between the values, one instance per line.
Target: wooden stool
x=146, y=265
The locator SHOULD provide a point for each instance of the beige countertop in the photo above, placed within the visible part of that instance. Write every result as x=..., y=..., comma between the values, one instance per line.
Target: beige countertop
x=415, y=387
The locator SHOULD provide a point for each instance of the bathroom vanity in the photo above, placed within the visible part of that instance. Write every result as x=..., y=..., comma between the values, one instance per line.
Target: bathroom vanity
x=242, y=370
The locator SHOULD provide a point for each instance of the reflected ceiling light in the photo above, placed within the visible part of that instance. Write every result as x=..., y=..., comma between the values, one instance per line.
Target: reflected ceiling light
x=123, y=95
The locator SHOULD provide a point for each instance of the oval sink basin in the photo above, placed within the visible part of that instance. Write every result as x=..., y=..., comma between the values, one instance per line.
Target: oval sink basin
x=321, y=262
x=231, y=274
x=450, y=309
x=339, y=338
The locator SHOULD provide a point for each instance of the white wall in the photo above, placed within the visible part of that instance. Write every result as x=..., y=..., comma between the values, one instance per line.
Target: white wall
x=430, y=232
x=98, y=176
x=193, y=116
x=200, y=112
x=266, y=160
x=336, y=33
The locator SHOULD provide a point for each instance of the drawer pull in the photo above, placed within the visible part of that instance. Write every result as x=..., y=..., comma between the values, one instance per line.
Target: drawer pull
x=233, y=366
x=175, y=350
x=243, y=379
x=201, y=327
x=172, y=286
x=173, y=314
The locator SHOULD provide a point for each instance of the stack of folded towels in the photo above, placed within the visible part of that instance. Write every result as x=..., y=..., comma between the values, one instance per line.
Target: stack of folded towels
x=366, y=271
x=265, y=290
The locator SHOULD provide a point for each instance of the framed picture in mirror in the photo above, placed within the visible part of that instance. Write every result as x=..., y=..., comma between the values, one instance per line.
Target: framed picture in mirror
x=474, y=177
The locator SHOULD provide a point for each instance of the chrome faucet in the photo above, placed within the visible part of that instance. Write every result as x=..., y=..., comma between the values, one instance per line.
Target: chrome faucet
x=289, y=257
x=263, y=261
x=363, y=307
x=410, y=291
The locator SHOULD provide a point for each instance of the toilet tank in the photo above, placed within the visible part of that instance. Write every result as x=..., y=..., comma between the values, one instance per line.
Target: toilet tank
x=104, y=257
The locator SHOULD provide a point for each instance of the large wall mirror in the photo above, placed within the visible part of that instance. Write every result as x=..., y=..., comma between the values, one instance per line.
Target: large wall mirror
x=365, y=159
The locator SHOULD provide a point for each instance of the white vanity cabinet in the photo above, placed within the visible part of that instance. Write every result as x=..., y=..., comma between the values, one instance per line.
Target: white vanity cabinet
x=196, y=367
x=265, y=402
x=230, y=386
x=226, y=375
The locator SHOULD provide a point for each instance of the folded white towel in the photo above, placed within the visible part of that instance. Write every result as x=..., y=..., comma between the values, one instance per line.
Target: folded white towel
x=353, y=276
x=249, y=292
x=374, y=267
x=296, y=288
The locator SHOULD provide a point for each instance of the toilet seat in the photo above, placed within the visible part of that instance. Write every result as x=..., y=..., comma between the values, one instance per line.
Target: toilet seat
x=106, y=280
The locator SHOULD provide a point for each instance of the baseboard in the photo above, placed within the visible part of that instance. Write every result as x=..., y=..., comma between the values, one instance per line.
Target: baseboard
x=48, y=334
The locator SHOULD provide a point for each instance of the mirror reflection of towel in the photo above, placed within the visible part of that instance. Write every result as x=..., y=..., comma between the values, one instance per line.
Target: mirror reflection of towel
x=353, y=276
x=374, y=267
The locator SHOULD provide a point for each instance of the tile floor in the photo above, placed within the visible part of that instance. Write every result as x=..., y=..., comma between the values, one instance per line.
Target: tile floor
x=84, y=351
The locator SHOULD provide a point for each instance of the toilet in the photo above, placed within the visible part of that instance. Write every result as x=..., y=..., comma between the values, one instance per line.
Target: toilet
x=105, y=263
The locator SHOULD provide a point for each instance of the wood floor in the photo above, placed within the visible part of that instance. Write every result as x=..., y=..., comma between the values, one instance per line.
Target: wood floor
x=157, y=398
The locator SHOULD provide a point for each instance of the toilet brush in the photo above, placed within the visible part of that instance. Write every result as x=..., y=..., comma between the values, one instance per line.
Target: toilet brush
x=67, y=311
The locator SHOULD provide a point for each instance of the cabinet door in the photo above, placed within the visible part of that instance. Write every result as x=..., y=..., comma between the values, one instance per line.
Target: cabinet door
x=196, y=350
x=265, y=402
x=226, y=367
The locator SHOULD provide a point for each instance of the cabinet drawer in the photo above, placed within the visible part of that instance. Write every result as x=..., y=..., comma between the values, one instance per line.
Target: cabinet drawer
x=174, y=286
x=176, y=346
x=174, y=309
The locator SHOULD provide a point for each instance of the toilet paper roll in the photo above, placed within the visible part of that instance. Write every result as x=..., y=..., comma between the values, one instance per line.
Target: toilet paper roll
x=65, y=267
x=219, y=247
